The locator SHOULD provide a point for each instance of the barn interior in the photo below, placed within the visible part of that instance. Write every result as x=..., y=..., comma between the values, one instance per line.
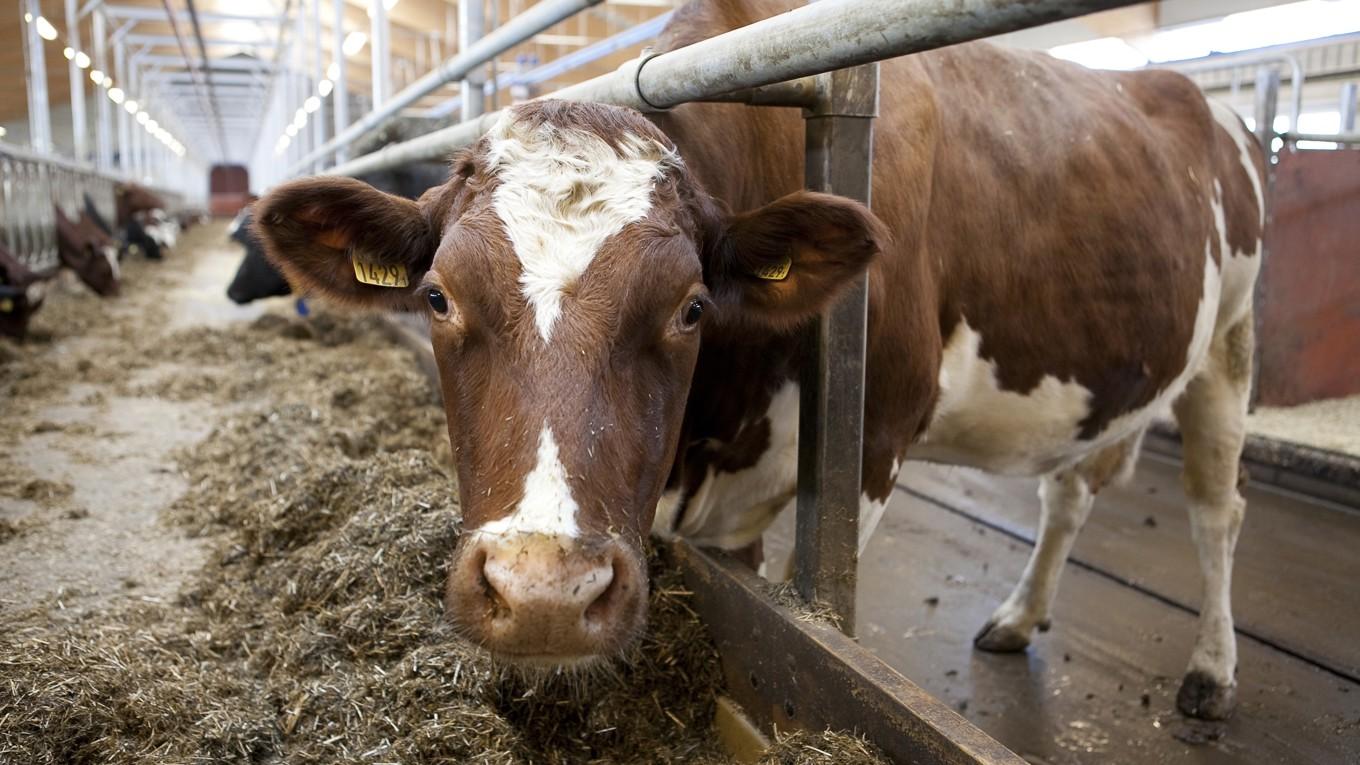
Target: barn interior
x=225, y=518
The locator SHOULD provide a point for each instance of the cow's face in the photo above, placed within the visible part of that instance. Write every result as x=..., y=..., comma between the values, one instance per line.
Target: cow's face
x=569, y=269
x=88, y=252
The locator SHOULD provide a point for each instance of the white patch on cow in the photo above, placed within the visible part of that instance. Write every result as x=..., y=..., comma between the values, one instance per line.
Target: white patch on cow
x=547, y=506
x=1226, y=117
x=978, y=424
x=562, y=194
x=111, y=255
x=732, y=510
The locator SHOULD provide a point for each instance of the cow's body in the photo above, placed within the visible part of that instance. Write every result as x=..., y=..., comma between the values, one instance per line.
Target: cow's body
x=1067, y=253
x=1070, y=250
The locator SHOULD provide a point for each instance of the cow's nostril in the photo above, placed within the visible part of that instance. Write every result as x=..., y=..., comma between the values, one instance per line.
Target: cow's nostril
x=600, y=610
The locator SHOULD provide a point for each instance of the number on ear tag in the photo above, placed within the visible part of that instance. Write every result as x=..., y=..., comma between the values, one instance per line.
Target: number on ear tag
x=775, y=272
x=380, y=274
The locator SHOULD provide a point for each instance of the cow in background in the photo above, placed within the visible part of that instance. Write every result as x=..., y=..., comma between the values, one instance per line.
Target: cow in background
x=89, y=252
x=21, y=294
x=256, y=278
x=143, y=220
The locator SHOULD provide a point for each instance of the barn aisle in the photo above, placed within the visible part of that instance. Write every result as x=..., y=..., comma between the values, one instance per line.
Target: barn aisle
x=96, y=422
x=1100, y=686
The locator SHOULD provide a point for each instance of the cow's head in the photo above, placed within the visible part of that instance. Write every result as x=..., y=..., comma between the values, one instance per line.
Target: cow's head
x=89, y=252
x=569, y=268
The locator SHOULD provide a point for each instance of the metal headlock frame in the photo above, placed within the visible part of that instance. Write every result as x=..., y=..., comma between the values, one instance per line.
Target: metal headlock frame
x=30, y=184
x=788, y=673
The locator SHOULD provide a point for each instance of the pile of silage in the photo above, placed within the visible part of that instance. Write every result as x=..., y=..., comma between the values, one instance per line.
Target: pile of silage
x=314, y=634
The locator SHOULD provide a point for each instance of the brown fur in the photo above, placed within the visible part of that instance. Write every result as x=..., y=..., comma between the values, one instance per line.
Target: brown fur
x=79, y=244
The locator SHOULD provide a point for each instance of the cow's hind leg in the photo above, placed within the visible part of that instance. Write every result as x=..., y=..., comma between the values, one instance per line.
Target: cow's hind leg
x=1212, y=416
x=1066, y=497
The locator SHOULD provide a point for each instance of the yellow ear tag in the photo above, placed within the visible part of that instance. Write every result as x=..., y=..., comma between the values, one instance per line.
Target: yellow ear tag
x=776, y=272
x=380, y=274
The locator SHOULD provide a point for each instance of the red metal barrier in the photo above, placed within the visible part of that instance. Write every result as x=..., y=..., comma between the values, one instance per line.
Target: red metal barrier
x=1310, y=305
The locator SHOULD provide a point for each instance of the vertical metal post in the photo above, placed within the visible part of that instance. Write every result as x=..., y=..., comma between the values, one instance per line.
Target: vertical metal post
x=1267, y=99
x=104, y=126
x=471, y=20
x=839, y=136
x=39, y=118
x=318, y=73
x=378, y=47
x=340, y=96
x=121, y=80
x=1348, y=95
x=77, y=82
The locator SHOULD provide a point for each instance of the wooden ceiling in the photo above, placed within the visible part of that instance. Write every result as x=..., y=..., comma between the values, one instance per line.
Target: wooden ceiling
x=421, y=30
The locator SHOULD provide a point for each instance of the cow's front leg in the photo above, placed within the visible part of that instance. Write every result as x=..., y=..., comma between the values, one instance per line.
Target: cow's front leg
x=1066, y=498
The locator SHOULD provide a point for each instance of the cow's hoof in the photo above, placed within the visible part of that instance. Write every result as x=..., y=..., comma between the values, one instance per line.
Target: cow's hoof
x=1204, y=698
x=999, y=638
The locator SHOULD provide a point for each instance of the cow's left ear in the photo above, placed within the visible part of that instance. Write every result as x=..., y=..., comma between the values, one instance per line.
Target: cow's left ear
x=782, y=264
x=344, y=239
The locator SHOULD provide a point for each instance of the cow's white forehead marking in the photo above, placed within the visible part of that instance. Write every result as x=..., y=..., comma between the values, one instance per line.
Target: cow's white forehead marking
x=547, y=506
x=562, y=193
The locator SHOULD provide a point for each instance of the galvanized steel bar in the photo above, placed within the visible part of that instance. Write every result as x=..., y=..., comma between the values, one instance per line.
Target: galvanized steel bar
x=340, y=95
x=516, y=31
x=120, y=68
x=103, y=139
x=318, y=119
x=1347, y=108
x=839, y=151
x=471, y=25
x=1346, y=138
x=78, y=132
x=381, y=53
x=827, y=35
x=39, y=116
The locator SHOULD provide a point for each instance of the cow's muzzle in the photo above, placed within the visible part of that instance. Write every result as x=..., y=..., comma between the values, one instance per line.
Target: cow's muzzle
x=550, y=601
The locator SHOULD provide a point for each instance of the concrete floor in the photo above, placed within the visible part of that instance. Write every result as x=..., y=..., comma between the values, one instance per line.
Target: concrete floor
x=1100, y=686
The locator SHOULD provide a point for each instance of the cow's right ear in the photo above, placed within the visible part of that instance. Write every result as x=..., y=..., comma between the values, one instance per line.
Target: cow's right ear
x=344, y=239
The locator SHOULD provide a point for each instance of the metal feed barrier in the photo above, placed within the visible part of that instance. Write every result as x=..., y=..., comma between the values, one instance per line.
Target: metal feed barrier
x=30, y=184
x=784, y=672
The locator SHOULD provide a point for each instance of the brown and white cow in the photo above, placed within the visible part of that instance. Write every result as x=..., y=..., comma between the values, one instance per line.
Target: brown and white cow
x=85, y=249
x=1062, y=254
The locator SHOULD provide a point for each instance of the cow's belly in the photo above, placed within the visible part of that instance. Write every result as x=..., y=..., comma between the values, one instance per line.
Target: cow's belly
x=978, y=424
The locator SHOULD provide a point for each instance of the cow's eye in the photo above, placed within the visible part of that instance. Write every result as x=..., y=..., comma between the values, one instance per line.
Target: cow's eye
x=438, y=302
x=693, y=312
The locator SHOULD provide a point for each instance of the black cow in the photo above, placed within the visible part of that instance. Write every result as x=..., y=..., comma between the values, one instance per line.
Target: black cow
x=256, y=277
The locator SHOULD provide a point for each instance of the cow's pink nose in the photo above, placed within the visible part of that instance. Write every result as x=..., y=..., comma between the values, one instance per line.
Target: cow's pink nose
x=546, y=599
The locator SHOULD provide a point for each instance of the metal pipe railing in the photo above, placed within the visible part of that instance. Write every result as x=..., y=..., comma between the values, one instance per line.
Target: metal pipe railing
x=1346, y=138
x=812, y=39
x=514, y=32
x=563, y=64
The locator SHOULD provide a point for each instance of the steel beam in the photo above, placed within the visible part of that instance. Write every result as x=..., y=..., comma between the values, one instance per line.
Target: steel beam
x=121, y=79
x=104, y=125
x=78, y=131
x=317, y=119
x=839, y=147
x=811, y=39
x=471, y=22
x=792, y=673
x=380, y=54
x=1347, y=108
x=170, y=40
x=137, y=13
x=340, y=95
x=39, y=113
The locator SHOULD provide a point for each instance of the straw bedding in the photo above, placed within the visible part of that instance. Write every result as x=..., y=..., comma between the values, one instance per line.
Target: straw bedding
x=314, y=632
